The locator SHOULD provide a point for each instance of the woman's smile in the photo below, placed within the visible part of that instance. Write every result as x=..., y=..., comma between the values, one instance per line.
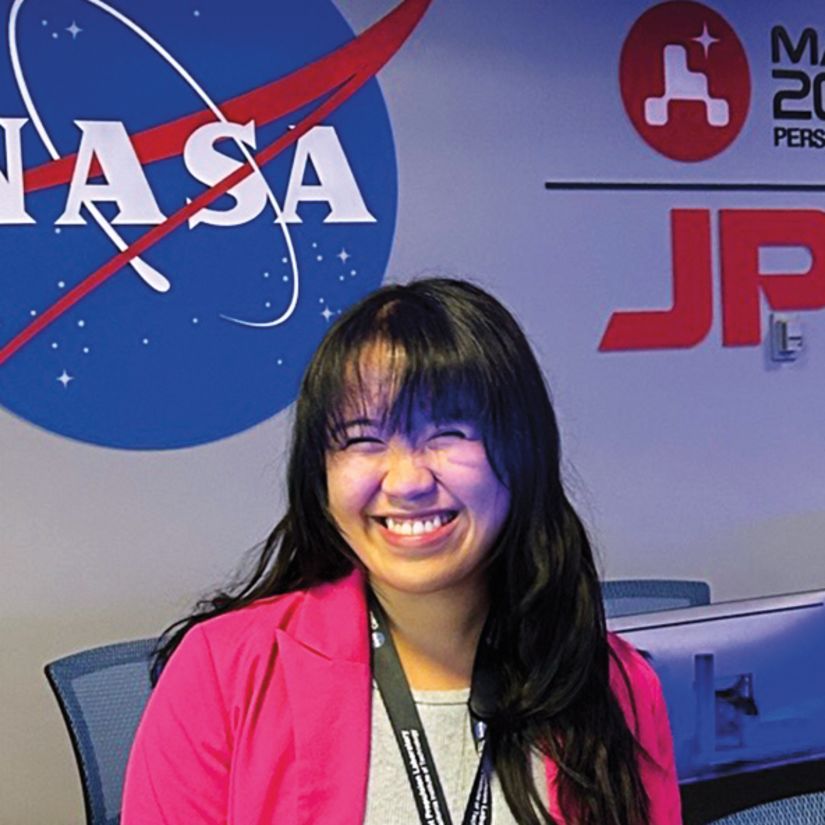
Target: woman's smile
x=417, y=531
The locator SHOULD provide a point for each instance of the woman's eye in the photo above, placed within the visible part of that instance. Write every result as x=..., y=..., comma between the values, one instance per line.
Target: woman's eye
x=360, y=439
x=449, y=434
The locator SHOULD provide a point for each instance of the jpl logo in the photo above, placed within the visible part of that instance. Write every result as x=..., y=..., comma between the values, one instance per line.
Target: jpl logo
x=189, y=194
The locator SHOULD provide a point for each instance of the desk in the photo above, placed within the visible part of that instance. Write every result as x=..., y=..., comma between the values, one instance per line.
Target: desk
x=704, y=800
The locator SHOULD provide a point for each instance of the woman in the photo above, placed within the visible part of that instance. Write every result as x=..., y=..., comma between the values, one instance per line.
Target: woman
x=426, y=514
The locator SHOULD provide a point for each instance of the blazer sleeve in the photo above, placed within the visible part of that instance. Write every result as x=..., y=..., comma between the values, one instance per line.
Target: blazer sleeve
x=646, y=715
x=661, y=779
x=178, y=769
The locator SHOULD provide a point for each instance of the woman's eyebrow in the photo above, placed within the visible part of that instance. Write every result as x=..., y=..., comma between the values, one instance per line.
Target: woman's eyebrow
x=355, y=422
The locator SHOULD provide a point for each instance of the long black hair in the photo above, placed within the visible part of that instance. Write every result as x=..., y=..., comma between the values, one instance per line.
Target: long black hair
x=463, y=355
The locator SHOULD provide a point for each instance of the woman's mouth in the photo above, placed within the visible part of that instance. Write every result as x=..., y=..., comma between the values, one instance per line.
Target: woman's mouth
x=403, y=526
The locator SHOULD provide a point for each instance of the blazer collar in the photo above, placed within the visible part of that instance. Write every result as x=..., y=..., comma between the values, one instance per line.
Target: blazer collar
x=325, y=661
x=332, y=620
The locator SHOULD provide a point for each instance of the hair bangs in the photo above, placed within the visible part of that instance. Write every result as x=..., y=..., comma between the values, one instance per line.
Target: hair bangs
x=397, y=365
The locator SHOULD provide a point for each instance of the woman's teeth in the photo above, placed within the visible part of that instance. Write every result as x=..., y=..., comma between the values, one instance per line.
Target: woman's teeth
x=416, y=527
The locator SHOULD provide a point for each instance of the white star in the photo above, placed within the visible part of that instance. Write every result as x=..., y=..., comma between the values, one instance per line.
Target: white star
x=327, y=314
x=64, y=378
x=705, y=39
x=74, y=30
x=343, y=255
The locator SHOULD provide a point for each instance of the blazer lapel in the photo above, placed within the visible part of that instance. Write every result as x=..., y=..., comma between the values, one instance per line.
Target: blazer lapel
x=326, y=668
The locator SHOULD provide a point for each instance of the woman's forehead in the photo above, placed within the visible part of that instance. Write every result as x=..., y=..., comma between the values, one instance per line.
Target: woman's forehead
x=378, y=403
x=381, y=386
x=386, y=411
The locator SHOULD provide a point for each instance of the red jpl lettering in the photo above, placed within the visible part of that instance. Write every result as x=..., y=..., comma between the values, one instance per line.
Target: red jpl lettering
x=689, y=320
x=741, y=234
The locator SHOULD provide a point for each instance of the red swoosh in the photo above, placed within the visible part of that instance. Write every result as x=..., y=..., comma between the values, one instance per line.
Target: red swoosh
x=344, y=71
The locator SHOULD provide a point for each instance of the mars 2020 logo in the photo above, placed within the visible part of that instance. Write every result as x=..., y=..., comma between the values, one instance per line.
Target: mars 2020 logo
x=684, y=80
x=190, y=192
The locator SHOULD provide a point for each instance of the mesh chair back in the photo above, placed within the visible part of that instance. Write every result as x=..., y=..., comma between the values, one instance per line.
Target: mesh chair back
x=808, y=809
x=102, y=693
x=626, y=596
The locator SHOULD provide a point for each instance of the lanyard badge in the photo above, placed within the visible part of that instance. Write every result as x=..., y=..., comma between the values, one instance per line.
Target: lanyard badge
x=412, y=739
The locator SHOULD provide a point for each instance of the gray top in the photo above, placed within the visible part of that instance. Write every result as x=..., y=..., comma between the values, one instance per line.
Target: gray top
x=446, y=720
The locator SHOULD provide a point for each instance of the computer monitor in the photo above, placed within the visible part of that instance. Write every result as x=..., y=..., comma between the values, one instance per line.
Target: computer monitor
x=744, y=683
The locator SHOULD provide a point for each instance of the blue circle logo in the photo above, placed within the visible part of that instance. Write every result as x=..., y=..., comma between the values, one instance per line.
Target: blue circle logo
x=190, y=193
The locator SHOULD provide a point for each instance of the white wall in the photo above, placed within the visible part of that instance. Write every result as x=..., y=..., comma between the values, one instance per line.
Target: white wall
x=704, y=463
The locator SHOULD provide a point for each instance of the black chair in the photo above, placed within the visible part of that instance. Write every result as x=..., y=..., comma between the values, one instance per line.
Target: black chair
x=623, y=597
x=102, y=693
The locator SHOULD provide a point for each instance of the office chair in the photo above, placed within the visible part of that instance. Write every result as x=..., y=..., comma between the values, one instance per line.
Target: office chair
x=808, y=809
x=623, y=597
x=102, y=693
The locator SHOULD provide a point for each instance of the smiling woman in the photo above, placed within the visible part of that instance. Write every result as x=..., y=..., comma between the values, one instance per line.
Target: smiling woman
x=420, y=508
x=428, y=606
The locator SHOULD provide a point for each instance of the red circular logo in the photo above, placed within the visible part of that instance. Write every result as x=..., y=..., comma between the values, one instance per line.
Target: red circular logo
x=685, y=80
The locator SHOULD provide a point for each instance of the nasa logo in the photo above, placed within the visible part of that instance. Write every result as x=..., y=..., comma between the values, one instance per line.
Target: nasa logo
x=190, y=193
x=685, y=80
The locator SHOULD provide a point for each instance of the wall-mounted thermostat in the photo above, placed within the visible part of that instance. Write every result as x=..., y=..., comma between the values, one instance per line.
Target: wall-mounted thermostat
x=786, y=337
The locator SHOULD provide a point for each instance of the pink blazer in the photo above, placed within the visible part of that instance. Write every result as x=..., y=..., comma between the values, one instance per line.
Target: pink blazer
x=262, y=716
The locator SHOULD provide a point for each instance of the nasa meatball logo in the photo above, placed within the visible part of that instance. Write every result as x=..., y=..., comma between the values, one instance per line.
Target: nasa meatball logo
x=685, y=81
x=190, y=193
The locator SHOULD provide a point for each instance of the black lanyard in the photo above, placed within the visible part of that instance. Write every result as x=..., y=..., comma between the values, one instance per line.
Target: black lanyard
x=412, y=740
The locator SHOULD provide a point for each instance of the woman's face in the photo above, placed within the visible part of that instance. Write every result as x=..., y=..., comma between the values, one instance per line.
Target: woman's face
x=421, y=509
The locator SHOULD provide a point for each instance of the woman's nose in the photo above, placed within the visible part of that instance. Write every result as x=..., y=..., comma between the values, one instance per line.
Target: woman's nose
x=408, y=474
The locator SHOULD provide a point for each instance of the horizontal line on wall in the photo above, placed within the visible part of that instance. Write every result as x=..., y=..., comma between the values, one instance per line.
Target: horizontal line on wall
x=657, y=186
